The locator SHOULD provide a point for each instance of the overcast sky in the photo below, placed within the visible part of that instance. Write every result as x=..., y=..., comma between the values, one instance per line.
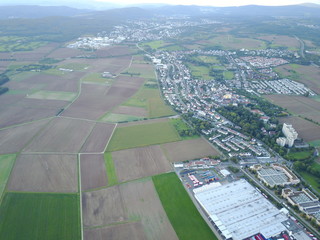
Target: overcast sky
x=218, y=2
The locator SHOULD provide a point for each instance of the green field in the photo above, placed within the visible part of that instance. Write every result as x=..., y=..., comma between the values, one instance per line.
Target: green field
x=14, y=43
x=115, y=118
x=40, y=216
x=110, y=169
x=183, y=215
x=50, y=95
x=75, y=66
x=96, y=78
x=155, y=44
x=150, y=99
x=312, y=180
x=200, y=72
x=231, y=42
x=315, y=143
x=208, y=59
x=141, y=70
x=22, y=76
x=299, y=155
x=228, y=75
x=142, y=135
x=6, y=164
x=184, y=129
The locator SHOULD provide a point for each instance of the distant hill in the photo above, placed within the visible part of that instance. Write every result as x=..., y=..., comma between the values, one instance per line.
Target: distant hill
x=30, y=11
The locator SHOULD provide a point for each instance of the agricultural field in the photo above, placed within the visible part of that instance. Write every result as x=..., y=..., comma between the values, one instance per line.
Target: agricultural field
x=137, y=163
x=95, y=100
x=298, y=105
x=27, y=110
x=150, y=99
x=307, y=75
x=129, y=202
x=93, y=171
x=96, y=78
x=40, y=216
x=13, y=44
x=115, y=51
x=142, y=135
x=6, y=164
x=179, y=207
x=141, y=70
x=281, y=41
x=231, y=42
x=307, y=130
x=188, y=150
x=54, y=173
x=98, y=138
x=61, y=135
x=130, y=230
x=14, y=139
x=133, y=111
x=208, y=59
x=49, y=95
x=110, y=169
x=116, y=118
x=155, y=44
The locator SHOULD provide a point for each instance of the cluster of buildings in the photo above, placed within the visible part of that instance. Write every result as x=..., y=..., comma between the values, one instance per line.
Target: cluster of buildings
x=281, y=86
x=263, y=62
x=305, y=200
x=276, y=175
x=94, y=42
x=290, y=136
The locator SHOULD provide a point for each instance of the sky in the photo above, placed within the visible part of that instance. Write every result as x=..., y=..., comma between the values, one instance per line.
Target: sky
x=218, y=2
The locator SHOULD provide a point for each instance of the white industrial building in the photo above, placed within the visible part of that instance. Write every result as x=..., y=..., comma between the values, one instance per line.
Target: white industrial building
x=239, y=211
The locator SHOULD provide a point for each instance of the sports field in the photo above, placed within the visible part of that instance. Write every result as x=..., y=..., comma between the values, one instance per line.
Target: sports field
x=182, y=213
x=142, y=135
x=40, y=216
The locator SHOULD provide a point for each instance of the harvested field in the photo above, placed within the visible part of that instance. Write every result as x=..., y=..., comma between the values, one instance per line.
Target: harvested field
x=308, y=75
x=61, y=135
x=66, y=53
x=114, y=51
x=136, y=201
x=98, y=138
x=143, y=70
x=135, y=111
x=44, y=173
x=188, y=150
x=103, y=207
x=40, y=216
x=142, y=135
x=13, y=139
x=306, y=107
x=132, y=231
x=281, y=41
x=49, y=95
x=142, y=162
x=118, y=118
x=306, y=129
x=93, y=171
x=95, y=100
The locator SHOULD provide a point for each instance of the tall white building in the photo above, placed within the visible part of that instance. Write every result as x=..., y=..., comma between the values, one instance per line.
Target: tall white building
x=290, y=134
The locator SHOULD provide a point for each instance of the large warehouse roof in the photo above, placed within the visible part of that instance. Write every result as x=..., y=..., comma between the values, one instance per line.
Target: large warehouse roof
x=240, y=211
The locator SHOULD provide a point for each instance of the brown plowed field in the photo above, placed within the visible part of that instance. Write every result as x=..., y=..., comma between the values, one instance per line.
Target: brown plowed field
x=67, y=53
x=137, y=163
x=61, y=135
x=13, y=139
x=93, y=171
x=306, y=107
x=98, y=138
x=103, y=207
x=113, y=51
x=306, y=129
x=27, y=110
x=132, y=231
x=130, y=201
x=134, y=111
x=188, y=150
x=95, y=100
x=45, y=173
